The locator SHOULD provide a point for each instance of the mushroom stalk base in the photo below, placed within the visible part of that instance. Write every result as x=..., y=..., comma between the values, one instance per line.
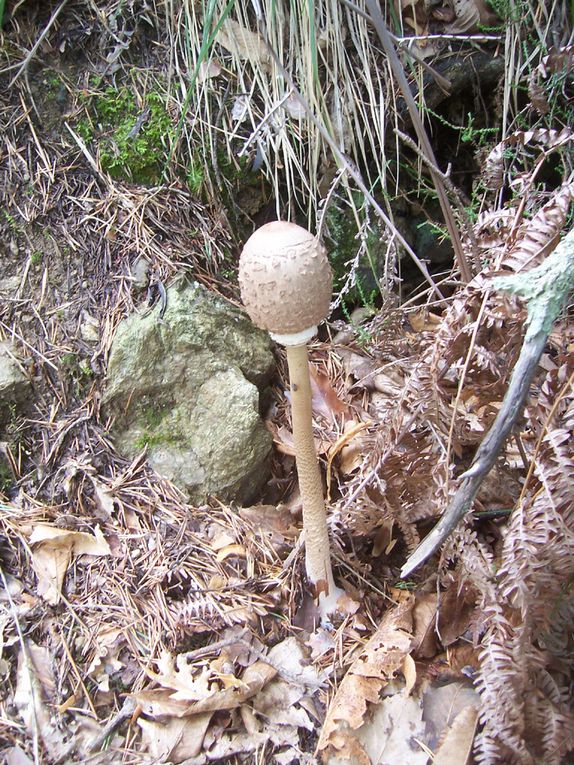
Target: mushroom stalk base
x=317, y=558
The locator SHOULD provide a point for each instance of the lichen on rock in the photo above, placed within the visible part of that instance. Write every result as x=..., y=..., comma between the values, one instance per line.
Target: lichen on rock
x=186, y=387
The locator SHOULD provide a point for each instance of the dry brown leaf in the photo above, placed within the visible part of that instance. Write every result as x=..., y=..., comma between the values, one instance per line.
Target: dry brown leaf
x=105, y=663
x=209, y=69
x=383, y=541
x=425, y=620
x=457, y=743
x=199, y=688
x=288, y=658
x=362, y=368
x=277, y=522
x=442, y=704
x=325, y=400
x=160, y=703
x=320, y=642
x=392, y=730
x=220, y=536
x=175, y=739
x=380, y=660
x=244, y=44
x=456, y=610
x=294, y=107
x=422, y=320
x=188, y=682
x=52, y=551
x=409, y=670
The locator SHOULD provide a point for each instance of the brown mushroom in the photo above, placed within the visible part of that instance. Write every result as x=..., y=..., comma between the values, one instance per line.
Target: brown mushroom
x=286, y=285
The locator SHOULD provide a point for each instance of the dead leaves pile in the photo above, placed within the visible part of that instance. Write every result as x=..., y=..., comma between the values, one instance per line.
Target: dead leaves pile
x=252, y=701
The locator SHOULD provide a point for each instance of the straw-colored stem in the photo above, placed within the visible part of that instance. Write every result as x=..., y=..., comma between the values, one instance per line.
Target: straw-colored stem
x=317, y=557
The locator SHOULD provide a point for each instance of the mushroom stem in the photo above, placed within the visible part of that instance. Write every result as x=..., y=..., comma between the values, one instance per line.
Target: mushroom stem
x=317, y=558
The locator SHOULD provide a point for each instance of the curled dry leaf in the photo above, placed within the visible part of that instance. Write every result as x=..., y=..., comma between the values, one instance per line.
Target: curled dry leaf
x=352, y=448
x=52, y=551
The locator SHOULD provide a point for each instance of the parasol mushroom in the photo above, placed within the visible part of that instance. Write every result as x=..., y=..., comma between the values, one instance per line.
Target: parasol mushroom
x=286, y=286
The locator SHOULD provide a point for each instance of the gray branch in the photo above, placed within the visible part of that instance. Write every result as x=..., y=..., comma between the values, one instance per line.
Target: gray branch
x=544, y=289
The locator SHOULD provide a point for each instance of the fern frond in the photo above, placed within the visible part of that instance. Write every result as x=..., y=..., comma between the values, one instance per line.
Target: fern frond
x=536, y=237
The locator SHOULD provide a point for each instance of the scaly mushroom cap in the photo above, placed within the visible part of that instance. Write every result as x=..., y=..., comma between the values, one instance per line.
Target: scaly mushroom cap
x=285, y=278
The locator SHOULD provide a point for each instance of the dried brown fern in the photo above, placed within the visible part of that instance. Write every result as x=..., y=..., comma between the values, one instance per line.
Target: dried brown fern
x=527, y=650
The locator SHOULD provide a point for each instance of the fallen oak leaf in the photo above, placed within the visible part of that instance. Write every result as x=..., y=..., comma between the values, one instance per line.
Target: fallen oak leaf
x=160, y=703
x=199, y=691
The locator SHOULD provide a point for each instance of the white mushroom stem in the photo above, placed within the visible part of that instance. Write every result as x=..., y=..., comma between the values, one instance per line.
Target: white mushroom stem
x=317, y=557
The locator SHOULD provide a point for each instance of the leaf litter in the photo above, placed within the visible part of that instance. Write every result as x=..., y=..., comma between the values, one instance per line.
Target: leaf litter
x=137, y=627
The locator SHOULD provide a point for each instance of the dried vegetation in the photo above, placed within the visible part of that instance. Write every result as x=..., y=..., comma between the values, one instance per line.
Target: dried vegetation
x=137, y=628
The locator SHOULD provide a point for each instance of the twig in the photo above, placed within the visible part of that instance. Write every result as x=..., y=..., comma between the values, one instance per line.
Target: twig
x=545, y=290
x=207, y=650
x=125, y=712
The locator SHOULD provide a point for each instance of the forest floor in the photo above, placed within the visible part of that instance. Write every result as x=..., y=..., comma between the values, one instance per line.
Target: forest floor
x=135, y=627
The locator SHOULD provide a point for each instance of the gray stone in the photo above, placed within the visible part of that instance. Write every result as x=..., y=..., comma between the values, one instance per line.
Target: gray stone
x=140, y=273
x=15, y=387
x=186, y=386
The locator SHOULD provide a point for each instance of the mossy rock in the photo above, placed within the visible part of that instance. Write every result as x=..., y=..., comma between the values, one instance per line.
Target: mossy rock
x=185, y=387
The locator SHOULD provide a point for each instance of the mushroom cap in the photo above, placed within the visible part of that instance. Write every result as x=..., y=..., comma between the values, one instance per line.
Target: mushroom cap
x=285, y=278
